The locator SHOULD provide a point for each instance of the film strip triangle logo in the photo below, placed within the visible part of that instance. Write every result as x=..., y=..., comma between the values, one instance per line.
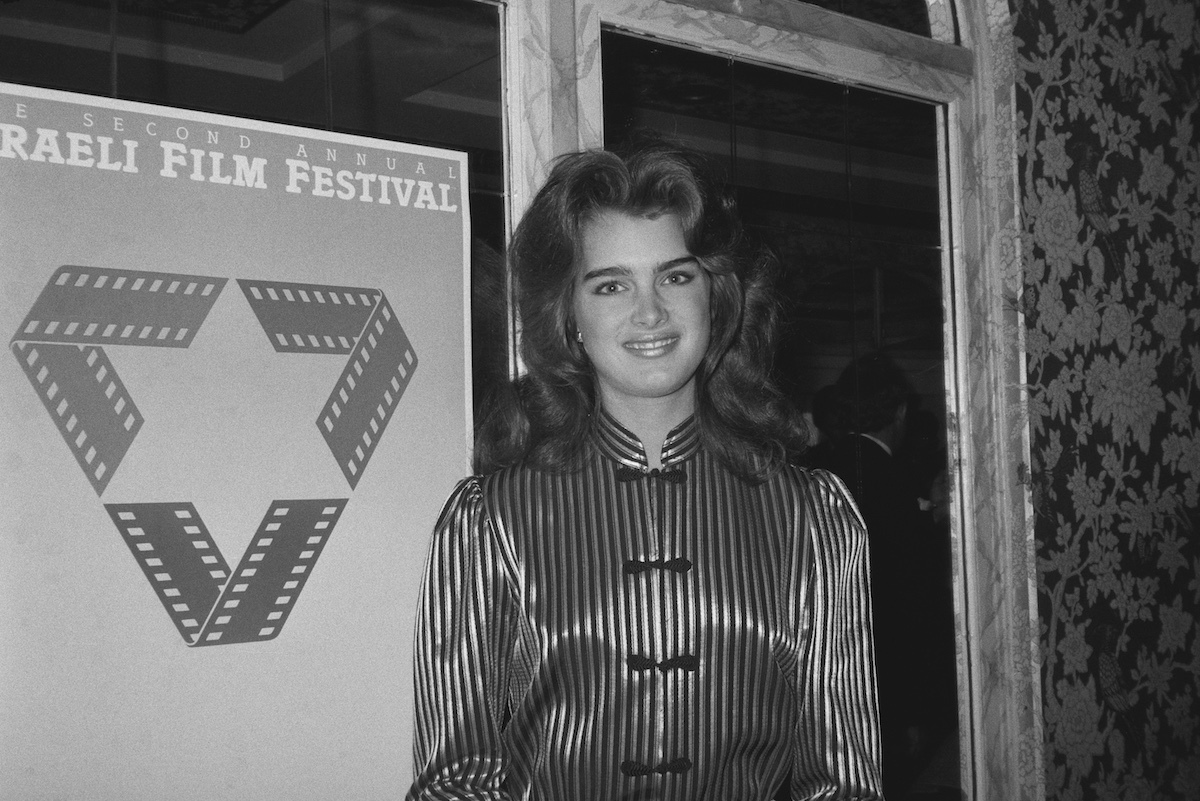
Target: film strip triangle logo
x=61, y=347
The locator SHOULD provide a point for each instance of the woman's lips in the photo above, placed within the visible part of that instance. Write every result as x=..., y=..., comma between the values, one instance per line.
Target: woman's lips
x=649, y=348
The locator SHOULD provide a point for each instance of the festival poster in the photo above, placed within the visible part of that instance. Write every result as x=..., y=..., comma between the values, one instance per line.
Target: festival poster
x=236, y=395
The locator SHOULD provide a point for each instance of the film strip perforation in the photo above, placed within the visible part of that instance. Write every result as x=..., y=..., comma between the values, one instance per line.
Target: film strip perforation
x=209, y=603
x=310, y=318
x=361, y=404
x=92, y=305
x=132, y=281
x=178, y=557
x=272, y=572
x=59, y=347
x=87, y=403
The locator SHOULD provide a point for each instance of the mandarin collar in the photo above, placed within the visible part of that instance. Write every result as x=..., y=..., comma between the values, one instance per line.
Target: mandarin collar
x=622, y=445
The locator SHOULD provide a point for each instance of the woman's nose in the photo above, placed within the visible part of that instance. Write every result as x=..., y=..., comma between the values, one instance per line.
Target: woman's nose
x=649, y=309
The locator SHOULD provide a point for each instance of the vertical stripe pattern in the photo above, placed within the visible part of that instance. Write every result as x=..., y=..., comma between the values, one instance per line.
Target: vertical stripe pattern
x=618, y=634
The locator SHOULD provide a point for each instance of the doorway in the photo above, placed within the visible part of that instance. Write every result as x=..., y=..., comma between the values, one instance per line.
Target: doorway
x=841, y=184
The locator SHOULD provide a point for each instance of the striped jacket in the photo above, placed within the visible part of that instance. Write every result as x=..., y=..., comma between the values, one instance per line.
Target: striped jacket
x=619, y=633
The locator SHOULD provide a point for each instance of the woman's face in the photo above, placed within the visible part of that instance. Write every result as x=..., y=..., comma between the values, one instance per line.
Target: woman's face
x=642, y=305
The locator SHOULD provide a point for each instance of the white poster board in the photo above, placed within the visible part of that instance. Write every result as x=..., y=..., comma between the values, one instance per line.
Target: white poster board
x=236, y=396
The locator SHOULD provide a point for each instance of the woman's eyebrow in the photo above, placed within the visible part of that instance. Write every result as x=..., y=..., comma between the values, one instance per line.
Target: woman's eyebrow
x=621, y=270
x=673, y=263
x=605, y=272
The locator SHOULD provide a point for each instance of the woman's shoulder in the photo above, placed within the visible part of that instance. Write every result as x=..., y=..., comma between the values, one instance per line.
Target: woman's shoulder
x=494, y=480
x=830, y=503
x=471, y=491
x=820, y=486
x=496, y=501
x=538, y=466
x=808, y=474
x=466, y=496
x=503, y=483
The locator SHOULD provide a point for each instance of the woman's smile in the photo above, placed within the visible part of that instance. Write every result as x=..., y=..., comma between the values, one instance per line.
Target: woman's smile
x=652, y=348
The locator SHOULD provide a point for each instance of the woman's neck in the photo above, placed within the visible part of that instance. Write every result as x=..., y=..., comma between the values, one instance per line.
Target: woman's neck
x=651, y=420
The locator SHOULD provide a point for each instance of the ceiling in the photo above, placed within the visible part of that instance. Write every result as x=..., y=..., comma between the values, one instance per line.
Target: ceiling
x=207, y=54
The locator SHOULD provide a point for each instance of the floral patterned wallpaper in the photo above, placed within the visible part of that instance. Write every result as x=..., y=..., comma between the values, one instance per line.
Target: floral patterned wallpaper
x=1108, y=103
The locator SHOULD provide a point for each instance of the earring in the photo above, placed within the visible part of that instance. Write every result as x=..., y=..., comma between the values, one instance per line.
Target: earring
x=579, y=337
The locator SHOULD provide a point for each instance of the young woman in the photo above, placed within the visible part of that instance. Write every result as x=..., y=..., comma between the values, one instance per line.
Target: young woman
x=639, y=596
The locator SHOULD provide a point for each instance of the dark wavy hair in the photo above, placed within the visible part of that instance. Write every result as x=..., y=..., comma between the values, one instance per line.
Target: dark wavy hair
x=545, y=416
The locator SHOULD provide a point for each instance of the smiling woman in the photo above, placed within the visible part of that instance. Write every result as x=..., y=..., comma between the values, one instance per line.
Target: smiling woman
x=641, y=311
x=640, y=596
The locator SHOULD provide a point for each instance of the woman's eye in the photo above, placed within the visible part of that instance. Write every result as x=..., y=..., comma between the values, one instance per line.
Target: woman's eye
x=679, y=278
x=608, y=289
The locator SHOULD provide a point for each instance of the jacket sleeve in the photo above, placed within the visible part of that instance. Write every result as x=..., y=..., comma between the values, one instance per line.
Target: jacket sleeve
x=464, y=622
x=837, y=753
